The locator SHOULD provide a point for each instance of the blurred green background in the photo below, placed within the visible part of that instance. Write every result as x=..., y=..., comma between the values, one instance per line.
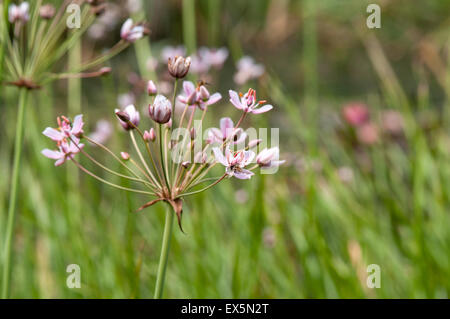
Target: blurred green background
x=309, y=231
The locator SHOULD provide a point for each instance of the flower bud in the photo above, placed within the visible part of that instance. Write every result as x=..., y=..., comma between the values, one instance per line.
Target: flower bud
x=186, y=164
x=47, y=11
x=129, y=118
x=125, y=156
x=254, y=143
x=193, y=133
x=179, y=66
x=122, y=116
x=152, y=134
x=151, y=88
x=161, y=109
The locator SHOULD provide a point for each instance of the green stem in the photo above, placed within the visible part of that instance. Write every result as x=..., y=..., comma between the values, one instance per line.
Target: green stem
x=189, y=27
x=13, y=195
x=164, y=254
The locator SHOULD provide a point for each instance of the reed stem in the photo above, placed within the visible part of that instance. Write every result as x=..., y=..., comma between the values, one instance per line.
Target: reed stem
x=23, y=94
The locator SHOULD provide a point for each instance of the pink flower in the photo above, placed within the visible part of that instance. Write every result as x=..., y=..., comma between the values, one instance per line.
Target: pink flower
x=65, y=129
x=133, y=117
x=227, y=131
x=248, y=103
x=19, y=13
x=247, y=70
x=356, y=114
x=67, y=151
x=235, y=163
x=198, y=96
x=130, y=32
x=268, y=158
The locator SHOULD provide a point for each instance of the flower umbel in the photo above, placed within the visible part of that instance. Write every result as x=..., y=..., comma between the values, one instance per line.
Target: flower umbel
x=172, y=168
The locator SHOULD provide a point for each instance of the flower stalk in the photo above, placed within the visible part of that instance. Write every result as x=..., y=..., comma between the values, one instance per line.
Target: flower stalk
x=23, y=95
x=165, y=248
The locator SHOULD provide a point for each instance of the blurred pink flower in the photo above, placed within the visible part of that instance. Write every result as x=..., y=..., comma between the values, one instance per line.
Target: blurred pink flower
x=130, y=32
x=392, y=122
x=126, y=99
x=19, y=13
x=103, y=131
x=171, y=52
x=235, y=163
x=247, y=70
x=248, y=103
x=368, y=134
x=214, y=57
x=356, y=114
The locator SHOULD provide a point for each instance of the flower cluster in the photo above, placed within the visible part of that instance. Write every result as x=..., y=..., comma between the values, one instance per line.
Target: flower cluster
x=32, y=66
x=176, y=161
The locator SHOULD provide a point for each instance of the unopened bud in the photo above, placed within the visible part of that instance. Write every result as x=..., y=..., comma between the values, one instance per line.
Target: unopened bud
x=254, y=143
x=186, y=164
x=125, y=156
x=151, y=88
x=149, y=136
x=161, y=109
x=193, y=133
x=123, y=116
x=179, y=66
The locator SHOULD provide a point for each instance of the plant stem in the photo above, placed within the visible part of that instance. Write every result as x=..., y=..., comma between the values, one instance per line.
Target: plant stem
x=164, y=253
x=189, y=27
x=23, y=93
